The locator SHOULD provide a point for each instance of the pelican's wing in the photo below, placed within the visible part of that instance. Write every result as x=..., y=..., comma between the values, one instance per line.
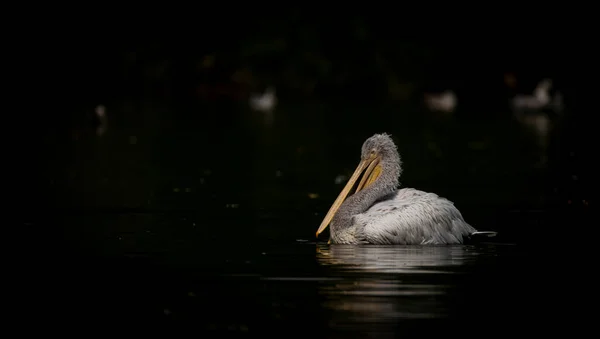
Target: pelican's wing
x=413, y=217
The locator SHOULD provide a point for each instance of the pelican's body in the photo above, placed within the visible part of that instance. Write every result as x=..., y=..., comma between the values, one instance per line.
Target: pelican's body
x=380, y=213
x=407, y=216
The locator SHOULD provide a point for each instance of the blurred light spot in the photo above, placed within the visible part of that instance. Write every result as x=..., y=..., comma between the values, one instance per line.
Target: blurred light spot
x=540, y=99
x=441, y=102
x=264, y=102
x=175, y=189
x=103, y=121
x=278, y=173
x=340, y=179
x=313, y=195
x=133, y=140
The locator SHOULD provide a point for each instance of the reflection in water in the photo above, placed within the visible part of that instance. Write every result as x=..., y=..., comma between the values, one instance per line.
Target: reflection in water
x=385, y=284
x=393, y=259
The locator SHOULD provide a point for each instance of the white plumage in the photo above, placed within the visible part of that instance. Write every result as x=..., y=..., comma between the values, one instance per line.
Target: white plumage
x=411, y=216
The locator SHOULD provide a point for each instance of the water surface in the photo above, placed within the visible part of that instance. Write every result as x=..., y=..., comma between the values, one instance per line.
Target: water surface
x=301, y=287
x=168, y=219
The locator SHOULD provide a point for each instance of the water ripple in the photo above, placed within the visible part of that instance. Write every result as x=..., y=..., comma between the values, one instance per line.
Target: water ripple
x=384, y=284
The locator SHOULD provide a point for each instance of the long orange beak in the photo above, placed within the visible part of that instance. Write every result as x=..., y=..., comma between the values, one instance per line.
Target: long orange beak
x=372, y=172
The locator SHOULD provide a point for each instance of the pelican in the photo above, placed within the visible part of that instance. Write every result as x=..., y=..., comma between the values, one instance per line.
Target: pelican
x=441, y=102
x=381, y=214
x=540, y=99
x=264, y=102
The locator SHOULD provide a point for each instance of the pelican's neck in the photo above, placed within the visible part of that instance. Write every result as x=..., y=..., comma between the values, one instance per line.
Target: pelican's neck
x=359, y=202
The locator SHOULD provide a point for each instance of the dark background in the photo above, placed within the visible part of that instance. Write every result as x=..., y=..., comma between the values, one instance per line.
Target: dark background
x=185, y=166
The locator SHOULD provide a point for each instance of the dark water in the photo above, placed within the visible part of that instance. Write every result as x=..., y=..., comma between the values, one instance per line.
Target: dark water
x=299, y=286
x=169, y=220
x=258, y=287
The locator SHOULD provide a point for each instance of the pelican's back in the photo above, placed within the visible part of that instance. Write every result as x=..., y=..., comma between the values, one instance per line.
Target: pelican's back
x=410, y=216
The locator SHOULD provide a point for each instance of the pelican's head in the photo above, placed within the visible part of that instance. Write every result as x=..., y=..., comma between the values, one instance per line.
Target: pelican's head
x=379, y=145
x=379, y=158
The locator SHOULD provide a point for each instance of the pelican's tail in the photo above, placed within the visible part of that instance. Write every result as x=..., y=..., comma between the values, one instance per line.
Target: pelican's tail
x=480, y=237
x=485, y=234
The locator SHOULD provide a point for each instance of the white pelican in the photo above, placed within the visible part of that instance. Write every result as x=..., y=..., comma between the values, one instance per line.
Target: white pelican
x=264, y=102
x=441, y=102
x=540, y=99
x=380, y=213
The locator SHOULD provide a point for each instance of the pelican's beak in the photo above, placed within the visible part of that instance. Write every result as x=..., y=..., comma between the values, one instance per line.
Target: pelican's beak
x=371, y=172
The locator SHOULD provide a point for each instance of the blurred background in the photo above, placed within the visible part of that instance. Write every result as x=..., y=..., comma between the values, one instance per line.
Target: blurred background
x=268, y=115
x=242, y=129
